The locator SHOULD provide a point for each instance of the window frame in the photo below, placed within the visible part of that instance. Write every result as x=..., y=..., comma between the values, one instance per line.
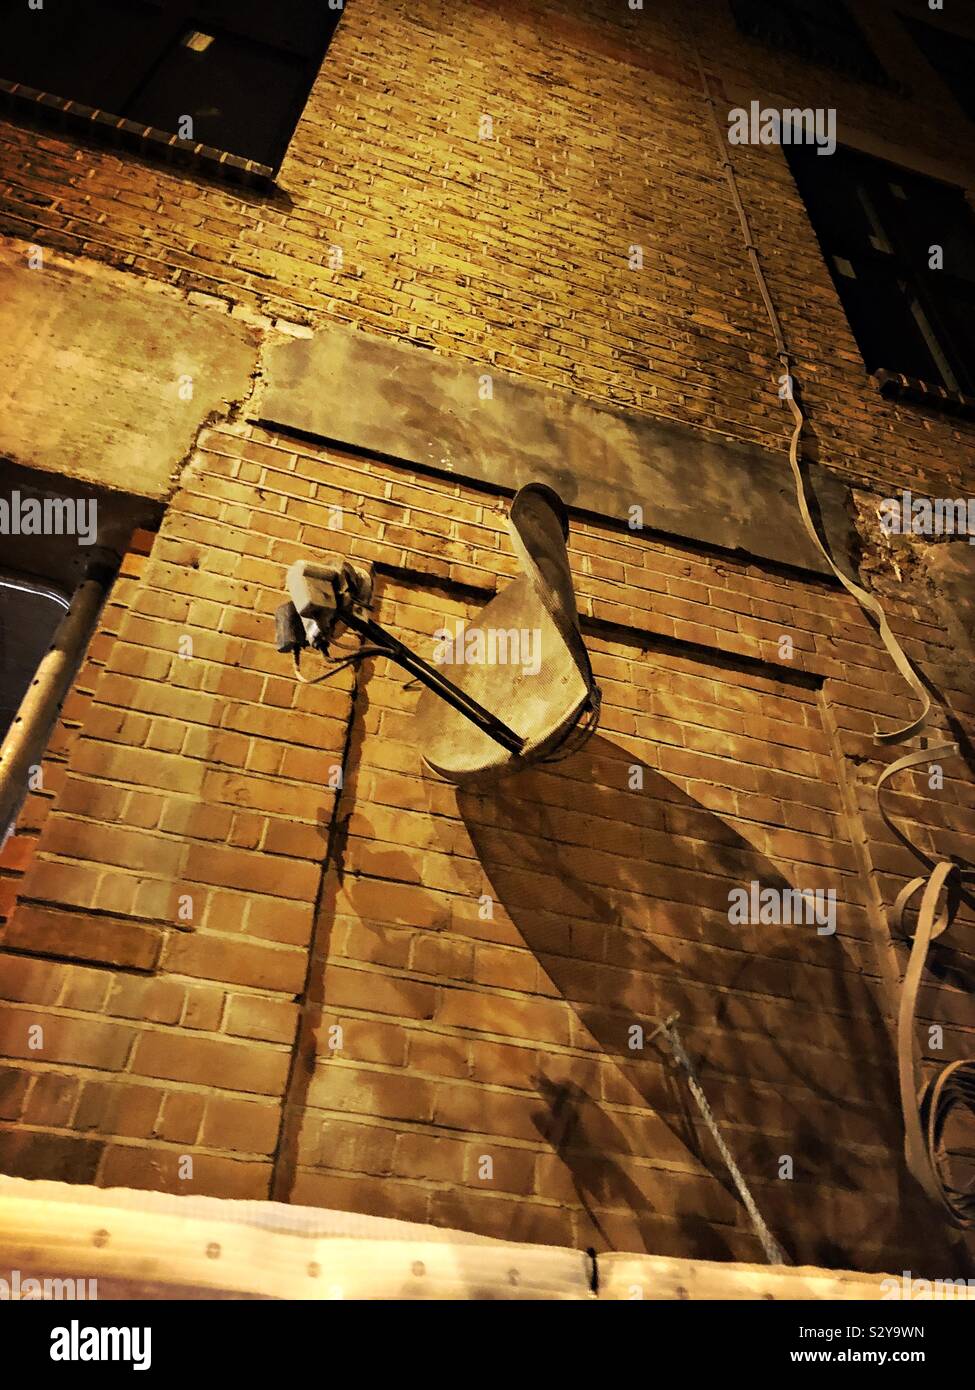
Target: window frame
x=891, y=257
x=307, y=51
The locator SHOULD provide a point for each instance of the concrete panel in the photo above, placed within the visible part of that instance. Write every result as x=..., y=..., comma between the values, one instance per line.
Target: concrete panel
x=361, y=391
x=92, y=365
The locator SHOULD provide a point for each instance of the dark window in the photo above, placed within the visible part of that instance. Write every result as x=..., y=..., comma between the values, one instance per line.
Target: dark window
x=241, y=70
x=953, y=59
x=29, y=615
x=879, y=227
x=823, y=31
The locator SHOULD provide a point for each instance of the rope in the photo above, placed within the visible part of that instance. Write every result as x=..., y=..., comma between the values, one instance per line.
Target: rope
x=925, y=1106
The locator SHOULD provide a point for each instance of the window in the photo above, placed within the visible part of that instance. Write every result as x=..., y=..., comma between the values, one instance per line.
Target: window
x=229, y=74
x=823, y=31
x=884, y=231
x=29, y=615
x=953, y=59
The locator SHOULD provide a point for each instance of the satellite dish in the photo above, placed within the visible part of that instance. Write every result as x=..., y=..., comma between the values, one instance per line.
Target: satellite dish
x=530, y=666
x=523, y=689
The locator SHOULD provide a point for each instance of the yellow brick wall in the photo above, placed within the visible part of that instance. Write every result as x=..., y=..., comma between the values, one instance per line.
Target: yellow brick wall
x=205, y=776
x=514, y=251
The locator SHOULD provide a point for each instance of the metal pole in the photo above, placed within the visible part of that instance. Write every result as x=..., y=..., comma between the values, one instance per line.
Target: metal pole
x=25, y=739
x=486, y=721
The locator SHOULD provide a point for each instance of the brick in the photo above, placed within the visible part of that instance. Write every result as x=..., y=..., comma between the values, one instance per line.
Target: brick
x=250, y=1016
x=54, y=1157
x=393, y=902
x=494, y=1167
x=473, y=1110
x=49, y=1037
x=430, y=1157
x=538, y=1019
x=17, y=852
x=85, y=990
x=386, y=1095
x=362, y=1039
x=402, y=1201
x=465, y=1036
x=351, y=1148
x=159, y=1169
x=204, y=1008
x=240, y=1125
x=234, y=868
x=121, y=1108
x=376, y=993
x=149, y=1001
x=13, y=1092
x=438, y=1054
x=206, y=1061
x=276, y=919
x=180, y=1117
x=30, y=981
x=295, y=840
x=77, y=935
x=9, y=888
x=229, y=959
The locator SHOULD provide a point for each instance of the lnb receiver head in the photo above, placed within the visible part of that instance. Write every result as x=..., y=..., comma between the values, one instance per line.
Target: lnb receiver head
x=323, y=592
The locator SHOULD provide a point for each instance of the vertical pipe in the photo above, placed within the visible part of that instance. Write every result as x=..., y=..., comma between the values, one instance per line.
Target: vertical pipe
x=26, y=738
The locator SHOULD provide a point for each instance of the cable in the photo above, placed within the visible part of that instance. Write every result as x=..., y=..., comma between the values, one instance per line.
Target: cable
x=579, y=733
x=296, y=658
x=337, y=664
x=773, y=1250
x=925, y=1106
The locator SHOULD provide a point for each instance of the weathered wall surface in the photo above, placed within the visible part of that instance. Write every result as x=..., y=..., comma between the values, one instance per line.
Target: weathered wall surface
x=107, y=379
x=190, y=907
x=179, y=863
x=515, y=251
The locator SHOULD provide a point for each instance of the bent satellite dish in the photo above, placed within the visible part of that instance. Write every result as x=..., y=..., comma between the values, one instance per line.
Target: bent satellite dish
x=517, y=687
x=531, y=667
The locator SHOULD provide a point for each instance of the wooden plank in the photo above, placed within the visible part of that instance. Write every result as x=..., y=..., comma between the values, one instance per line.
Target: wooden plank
x=168, y=1251
x=155, y=1245
x=623, y=1276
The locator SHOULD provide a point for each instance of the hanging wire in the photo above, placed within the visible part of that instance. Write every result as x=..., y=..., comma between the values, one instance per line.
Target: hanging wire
x=926, y=1106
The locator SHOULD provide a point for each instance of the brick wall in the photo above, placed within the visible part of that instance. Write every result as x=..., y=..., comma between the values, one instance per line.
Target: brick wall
x=192, y=908
x=203, y=778
x=514, y=251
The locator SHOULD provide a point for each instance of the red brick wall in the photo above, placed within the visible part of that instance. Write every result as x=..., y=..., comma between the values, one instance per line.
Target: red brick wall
x=466, y=1036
